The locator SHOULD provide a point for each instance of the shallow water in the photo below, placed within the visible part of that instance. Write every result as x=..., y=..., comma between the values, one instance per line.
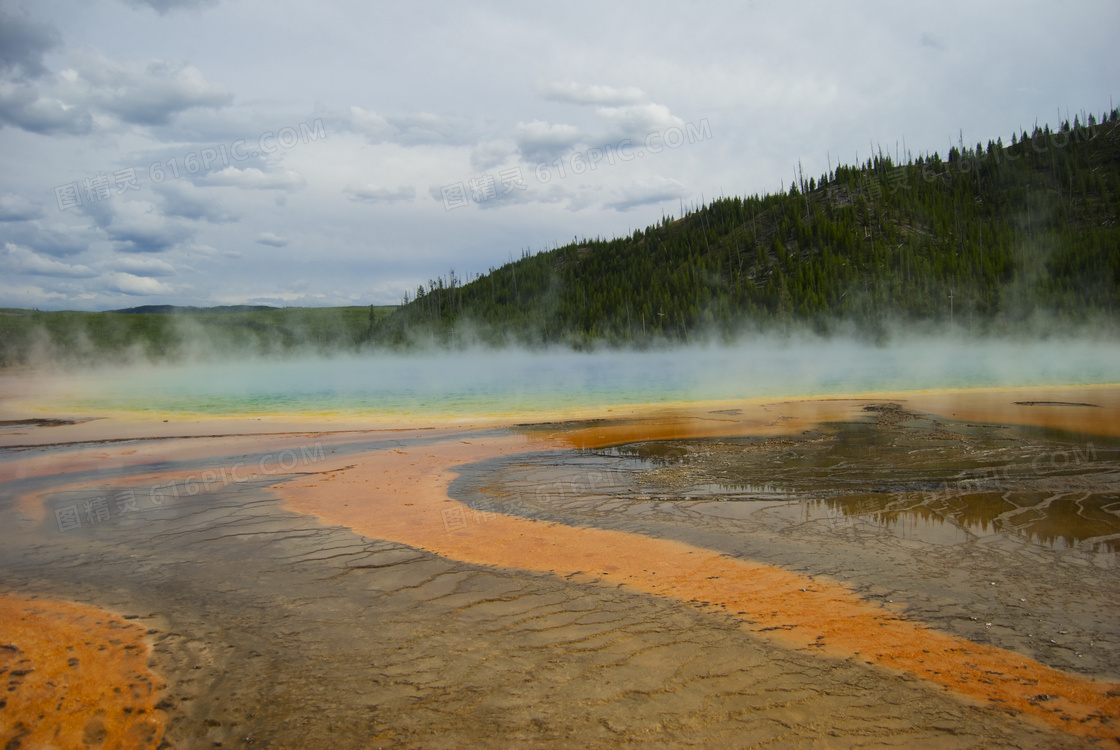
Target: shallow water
x=972, y=528
x=953, y=482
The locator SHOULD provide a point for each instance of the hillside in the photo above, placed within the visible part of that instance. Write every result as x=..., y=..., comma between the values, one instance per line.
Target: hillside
x=987, y=237
x=168, y=332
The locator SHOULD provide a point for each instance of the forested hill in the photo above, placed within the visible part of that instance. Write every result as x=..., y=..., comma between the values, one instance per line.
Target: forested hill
x=988, y=236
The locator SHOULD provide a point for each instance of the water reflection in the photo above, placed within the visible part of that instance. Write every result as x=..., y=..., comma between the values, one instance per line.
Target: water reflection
x=1087, y=522
x=905, y=475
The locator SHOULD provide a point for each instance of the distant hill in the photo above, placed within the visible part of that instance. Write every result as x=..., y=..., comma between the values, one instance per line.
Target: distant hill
x=167, y=332
x=988, y=237
x=173, y=309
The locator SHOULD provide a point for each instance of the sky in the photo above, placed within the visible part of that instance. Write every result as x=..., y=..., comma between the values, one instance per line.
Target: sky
x=216, y=152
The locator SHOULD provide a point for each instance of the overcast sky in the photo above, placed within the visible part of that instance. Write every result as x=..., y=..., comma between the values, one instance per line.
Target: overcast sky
x=208, y=152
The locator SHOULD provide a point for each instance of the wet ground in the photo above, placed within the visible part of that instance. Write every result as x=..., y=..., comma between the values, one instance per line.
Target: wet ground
x=1003, y=535
x=276, y=629
x=277, y=632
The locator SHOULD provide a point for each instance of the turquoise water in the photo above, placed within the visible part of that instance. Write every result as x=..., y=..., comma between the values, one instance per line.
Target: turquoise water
x=516, y=382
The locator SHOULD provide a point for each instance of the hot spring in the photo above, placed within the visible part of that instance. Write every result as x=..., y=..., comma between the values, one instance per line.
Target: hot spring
x=509, y=381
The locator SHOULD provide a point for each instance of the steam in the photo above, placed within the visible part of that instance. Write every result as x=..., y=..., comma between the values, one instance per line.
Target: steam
x=193, y=364
x=76, y=342
x=477, y=381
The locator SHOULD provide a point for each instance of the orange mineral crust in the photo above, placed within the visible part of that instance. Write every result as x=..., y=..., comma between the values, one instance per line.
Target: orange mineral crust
x=716, y=419
x=401, y=495
x=76, y=677
x=1091, y=410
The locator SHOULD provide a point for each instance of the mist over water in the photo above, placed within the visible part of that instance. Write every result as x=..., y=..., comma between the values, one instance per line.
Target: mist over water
x=478, y=382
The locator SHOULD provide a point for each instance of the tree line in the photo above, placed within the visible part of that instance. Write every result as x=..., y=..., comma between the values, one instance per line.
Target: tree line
x=986, y=237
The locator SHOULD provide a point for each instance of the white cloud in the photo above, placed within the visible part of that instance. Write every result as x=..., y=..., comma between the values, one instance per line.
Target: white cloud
x=143, y=266
x=206, y=252
x=491, y=153
x=147, y=93
x=370, y=124
x=25, y=107
x=139, y=93
x=23, y=42
x=638, y=121
x=135, y=286
x=539, y=141
x=645, y=192
x=375, y=194
x=17, y=208
x=185, y=200
x=33, y=296
x=252, y=178
x=21, y=260
x=272, y=240
x=426, y=128
x=138, y=226
x=164, y=6
x=412, y=129
x=55, y=238
x=576, y=93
